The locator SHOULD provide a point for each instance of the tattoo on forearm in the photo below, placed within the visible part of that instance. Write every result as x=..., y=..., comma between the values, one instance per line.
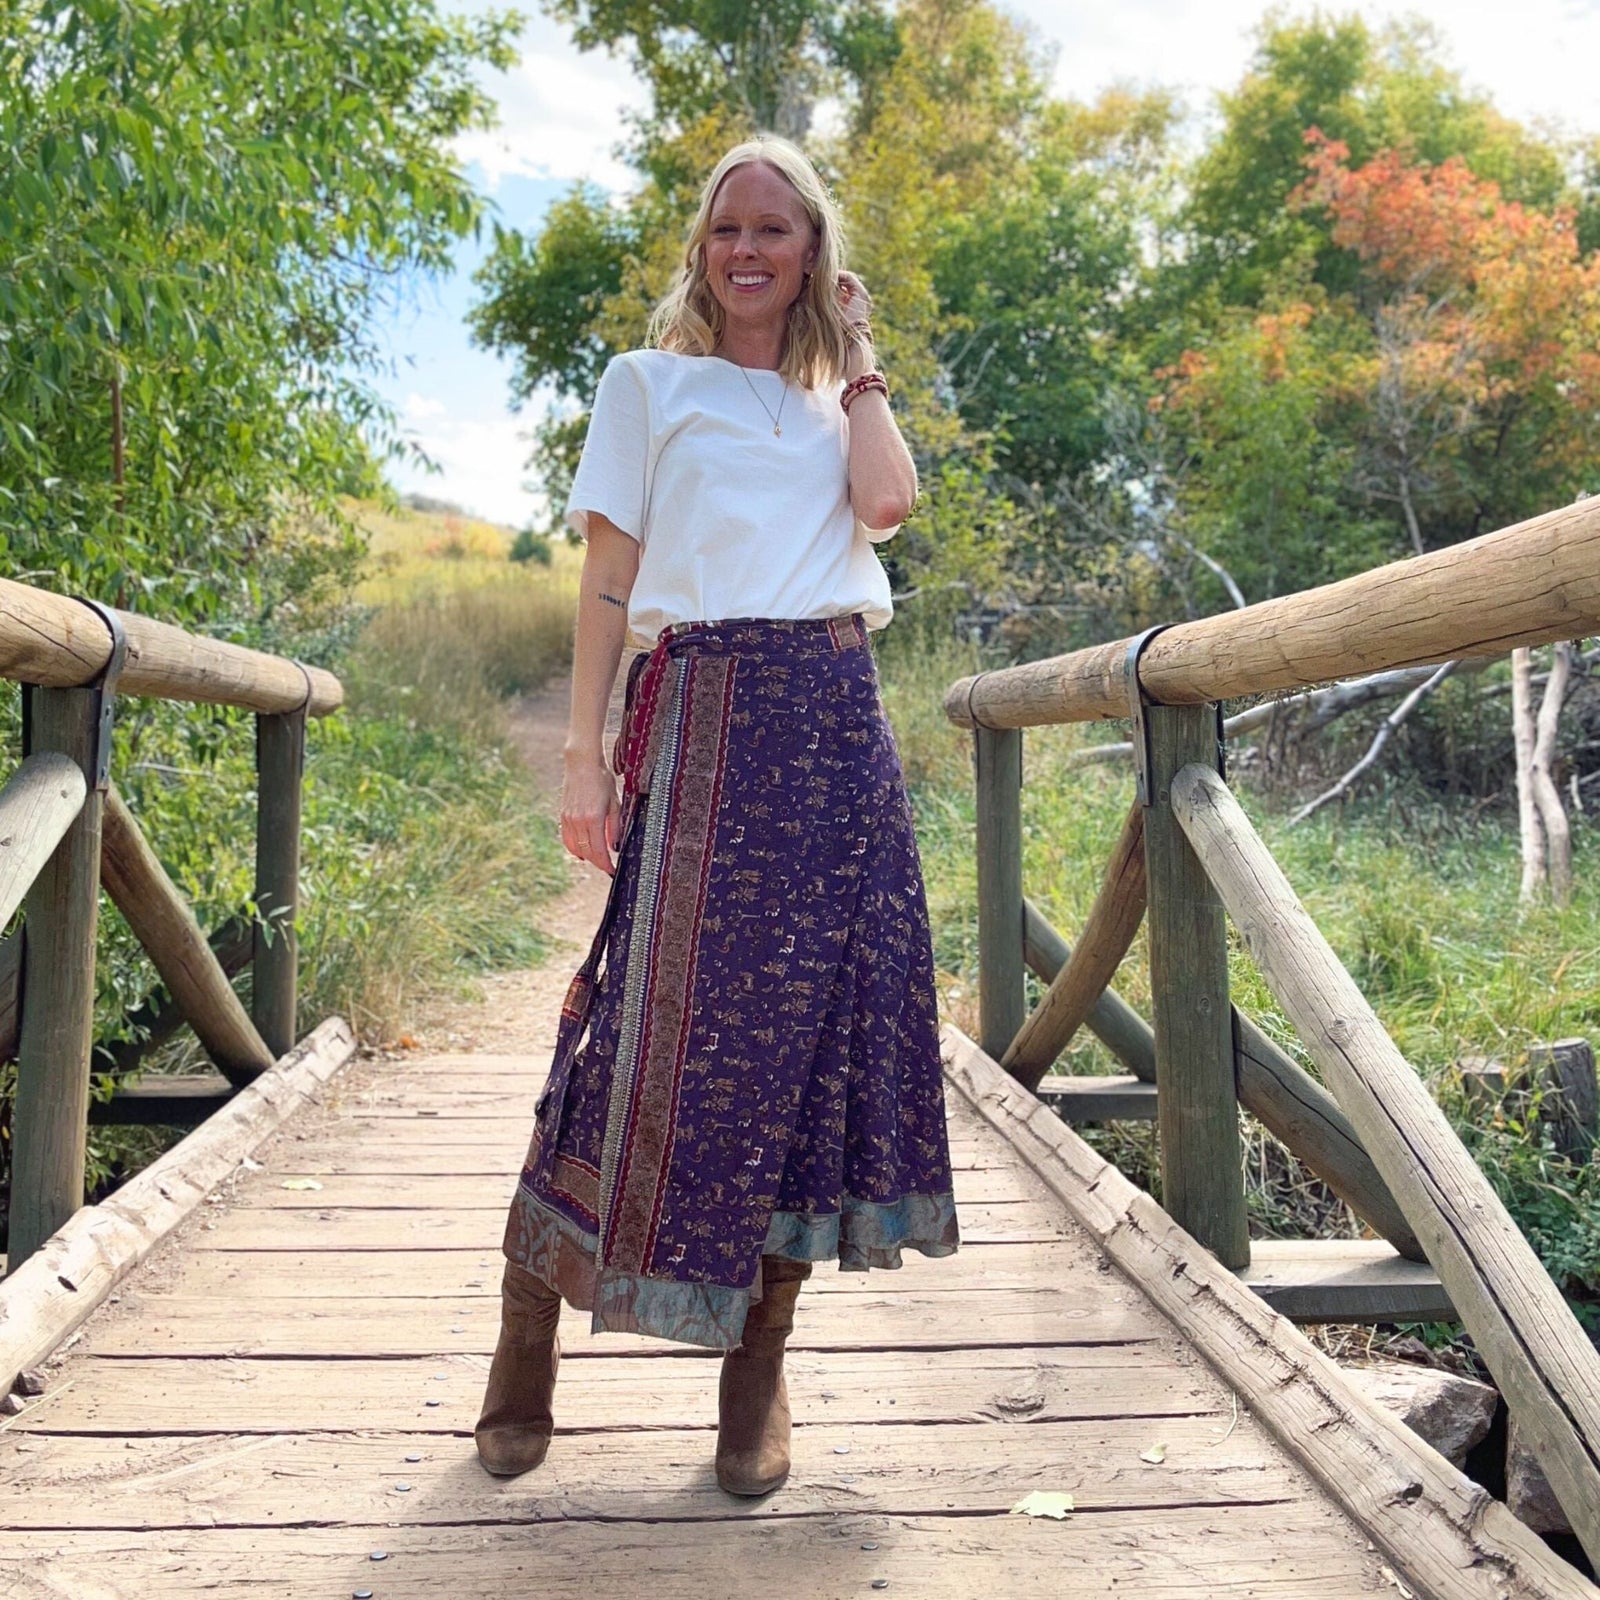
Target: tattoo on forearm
x=611, y=599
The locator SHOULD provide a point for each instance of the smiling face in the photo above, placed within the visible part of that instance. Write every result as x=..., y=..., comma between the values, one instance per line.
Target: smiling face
x=759, y=246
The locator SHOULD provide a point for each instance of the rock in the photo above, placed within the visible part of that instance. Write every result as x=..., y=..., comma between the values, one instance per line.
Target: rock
x=10, y=1405
x=30, y=1382
x=1528, y=1493
x=1451, y=1413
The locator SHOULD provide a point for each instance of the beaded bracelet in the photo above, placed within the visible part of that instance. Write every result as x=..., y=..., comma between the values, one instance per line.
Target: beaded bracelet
x=859, y=386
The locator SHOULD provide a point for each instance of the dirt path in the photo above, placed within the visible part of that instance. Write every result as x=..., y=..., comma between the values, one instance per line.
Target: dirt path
x=517, y=1010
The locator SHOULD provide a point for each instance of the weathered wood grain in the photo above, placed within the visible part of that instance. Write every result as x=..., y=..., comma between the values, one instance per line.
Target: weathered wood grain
x=1542, y=1360
x=152, y=1395
x=1265, y=1552
x=52, y=1292
x=161, y=1481
x=1448, y=1539
x=1002, y=1001
x=1533, y=583
x=37, y=806
x=164, y=924
x=1113, y=920
x=53, y=640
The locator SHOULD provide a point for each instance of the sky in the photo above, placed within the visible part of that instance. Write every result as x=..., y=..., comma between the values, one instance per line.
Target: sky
x=561, y=114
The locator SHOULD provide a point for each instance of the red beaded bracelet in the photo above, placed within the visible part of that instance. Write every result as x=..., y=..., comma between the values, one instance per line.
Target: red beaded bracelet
x=859, y=386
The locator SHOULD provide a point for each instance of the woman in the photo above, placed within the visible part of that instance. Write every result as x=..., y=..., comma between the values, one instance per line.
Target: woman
x=761, y=1084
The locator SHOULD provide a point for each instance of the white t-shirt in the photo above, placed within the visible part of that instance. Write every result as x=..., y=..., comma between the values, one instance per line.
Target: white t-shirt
x=732, y=521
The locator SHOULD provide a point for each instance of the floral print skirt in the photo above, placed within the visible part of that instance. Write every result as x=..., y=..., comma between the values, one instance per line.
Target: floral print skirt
x=748, y=1061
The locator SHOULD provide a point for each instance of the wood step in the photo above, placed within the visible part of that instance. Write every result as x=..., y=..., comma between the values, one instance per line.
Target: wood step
x=1345, y=1280
x=1115, y=1098
x=166, y=1102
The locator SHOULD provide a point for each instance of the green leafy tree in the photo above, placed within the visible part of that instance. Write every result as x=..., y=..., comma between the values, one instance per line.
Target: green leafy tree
x=205, y=203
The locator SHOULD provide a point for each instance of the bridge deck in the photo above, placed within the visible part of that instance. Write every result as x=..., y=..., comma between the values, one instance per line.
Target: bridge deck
x=289, y=1387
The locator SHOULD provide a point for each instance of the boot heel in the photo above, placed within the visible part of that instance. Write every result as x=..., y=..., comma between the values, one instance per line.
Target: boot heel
x=753, y=1420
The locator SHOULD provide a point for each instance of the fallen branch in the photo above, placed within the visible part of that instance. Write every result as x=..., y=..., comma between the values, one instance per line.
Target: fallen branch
x=1380, y=739
x=1324, y=705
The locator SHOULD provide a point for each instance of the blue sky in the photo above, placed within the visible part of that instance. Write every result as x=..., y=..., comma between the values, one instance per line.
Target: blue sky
x=561, y=116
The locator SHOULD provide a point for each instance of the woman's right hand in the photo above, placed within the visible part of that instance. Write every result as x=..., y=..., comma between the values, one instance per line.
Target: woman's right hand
x=590, y=811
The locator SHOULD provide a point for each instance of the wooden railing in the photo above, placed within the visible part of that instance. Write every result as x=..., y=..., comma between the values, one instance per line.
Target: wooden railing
x=65, y=834
x=1187, y=858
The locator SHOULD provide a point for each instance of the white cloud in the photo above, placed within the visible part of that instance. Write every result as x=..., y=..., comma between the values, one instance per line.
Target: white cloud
x=481, y=459
x=561, y=112
x=417, y=407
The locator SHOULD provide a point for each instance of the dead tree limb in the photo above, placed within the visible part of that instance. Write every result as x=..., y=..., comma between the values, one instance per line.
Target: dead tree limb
x=1552, y=814
x=1380, y=739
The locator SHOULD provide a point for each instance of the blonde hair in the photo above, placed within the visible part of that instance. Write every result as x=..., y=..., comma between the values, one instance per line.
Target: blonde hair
x=689, y=320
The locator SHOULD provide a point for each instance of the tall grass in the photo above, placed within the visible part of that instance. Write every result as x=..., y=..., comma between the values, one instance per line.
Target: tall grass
x=1417, y=895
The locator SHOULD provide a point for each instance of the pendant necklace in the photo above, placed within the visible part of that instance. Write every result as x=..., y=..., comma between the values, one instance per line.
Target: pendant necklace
x=777, y=432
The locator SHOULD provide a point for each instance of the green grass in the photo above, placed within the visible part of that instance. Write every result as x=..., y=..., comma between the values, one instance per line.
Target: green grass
x=1417, y=895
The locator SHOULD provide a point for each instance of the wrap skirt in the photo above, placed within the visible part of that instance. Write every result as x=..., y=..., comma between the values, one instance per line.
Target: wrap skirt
x=747, y=1061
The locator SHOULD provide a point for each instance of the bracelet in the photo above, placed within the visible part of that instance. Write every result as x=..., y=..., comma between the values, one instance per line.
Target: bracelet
x=859, y=386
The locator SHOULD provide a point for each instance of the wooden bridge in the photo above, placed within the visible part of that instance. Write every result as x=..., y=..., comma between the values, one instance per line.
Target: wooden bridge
x=279, y=1331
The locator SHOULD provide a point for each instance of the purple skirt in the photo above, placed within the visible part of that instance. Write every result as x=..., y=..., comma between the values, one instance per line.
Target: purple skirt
x=748, y=1061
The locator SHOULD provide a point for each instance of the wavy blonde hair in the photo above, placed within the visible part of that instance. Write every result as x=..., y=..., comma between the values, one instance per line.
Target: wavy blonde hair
x=689, y=319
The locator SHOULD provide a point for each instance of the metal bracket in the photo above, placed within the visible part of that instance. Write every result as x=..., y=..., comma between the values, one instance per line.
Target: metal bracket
x=105, y=689
x=1136, y=705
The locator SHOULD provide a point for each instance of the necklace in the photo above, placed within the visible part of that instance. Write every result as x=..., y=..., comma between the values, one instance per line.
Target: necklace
x=777, y=432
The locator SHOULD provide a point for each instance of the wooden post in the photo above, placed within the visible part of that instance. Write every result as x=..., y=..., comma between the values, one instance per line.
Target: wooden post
x=1542, y=1361
x=1202, y=1178
x=50, y=1120
x=1002, y=999
x=280, y=757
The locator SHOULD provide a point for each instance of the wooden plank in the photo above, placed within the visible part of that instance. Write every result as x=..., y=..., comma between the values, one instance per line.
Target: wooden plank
x=52, y=1292
x=1345, y=1280
x=1542, y=1361
x=150, y=1396
x=264, y=1323
x=1202, y=1182
x=37, y=806
x=1113, y=920
x=1444, y=1534
x=199, y=1482
x=1535, y=583
x=357, y=1274
x=1002, y=1002
x=50, y=1116
x=1266, y=1552
x=1000, y=1221
x=164, y=1102
x=53, y=640
x=1090, y=1099
x=450, y=1192
x=165, y=925
x=280, y=758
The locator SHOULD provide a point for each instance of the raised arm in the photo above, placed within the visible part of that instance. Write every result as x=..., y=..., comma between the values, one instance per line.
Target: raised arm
x=589, y=806
x=883, y=477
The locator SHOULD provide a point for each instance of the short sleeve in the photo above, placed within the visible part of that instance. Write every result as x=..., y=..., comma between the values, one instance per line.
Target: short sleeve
x=876, y=535
x=612, y=469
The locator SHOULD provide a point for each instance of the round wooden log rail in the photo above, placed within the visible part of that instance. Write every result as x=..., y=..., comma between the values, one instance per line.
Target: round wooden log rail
x=1541, y=1358
x=51, y=640
x=1530, y=584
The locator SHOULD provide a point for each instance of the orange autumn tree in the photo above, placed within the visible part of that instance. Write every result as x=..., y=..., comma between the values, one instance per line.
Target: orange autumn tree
x=1478, y=398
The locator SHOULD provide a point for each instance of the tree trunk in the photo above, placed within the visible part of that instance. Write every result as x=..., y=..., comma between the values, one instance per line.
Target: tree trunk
x=1552, y=814
x=1530, y=830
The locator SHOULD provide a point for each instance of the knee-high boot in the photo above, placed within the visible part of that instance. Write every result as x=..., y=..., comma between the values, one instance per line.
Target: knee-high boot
x=752, y=1399
x=514, y=1431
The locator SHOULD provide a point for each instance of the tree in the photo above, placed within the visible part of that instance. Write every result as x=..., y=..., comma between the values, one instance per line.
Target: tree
x=205, y=199
x=1481, y=382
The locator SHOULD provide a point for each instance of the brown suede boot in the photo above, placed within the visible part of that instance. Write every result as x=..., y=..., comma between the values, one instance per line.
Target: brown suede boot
x=753, y=1400
x=514, y=1431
